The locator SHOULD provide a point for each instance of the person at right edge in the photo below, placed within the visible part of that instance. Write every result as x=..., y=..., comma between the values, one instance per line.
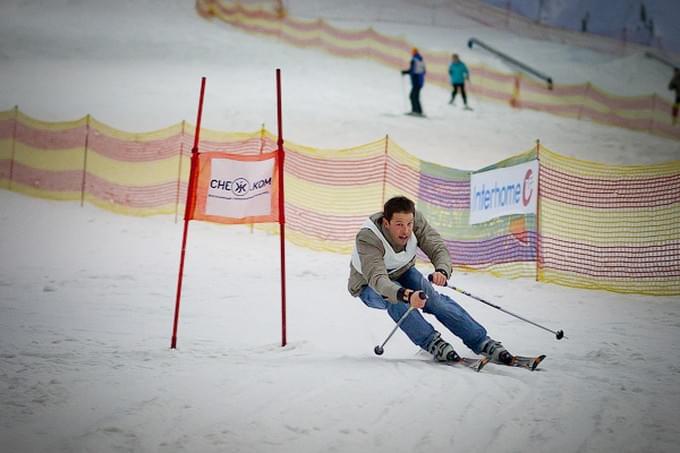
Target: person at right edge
x=675, y=85
x=383, y=276
x=417, y=72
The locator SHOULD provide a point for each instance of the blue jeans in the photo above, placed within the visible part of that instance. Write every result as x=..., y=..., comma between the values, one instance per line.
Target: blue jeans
x=445, y=309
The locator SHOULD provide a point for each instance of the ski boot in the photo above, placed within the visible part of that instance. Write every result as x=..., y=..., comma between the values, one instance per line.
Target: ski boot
x=441, y=350
x=495, y=351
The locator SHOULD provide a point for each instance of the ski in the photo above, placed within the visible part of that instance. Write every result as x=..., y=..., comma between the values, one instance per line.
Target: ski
x=467, y=362
x=465, y=107
x=519, y=361
x=417, y=115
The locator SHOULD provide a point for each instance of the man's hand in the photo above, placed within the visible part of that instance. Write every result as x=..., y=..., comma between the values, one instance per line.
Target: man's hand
x=438, y=278
x=415, y=300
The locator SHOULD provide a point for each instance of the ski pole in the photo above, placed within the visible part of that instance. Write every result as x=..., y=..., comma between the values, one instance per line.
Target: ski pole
x=379, y=349
x=403, y=93
x=559, y=334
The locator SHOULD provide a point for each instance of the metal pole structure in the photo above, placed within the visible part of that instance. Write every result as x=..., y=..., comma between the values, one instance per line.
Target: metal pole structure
x=514, y=62
x=83, y=182
x=403, y=94
x=187, y=212
x=282, y=208
x=539, y=263
x=14, y=146
x=661, y=59
x=586, y=91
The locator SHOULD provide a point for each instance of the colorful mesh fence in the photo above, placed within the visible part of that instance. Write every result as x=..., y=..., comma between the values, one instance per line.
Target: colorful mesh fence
x=130, y=173
x=607, y=227
x=650, y=114
x=330, y=193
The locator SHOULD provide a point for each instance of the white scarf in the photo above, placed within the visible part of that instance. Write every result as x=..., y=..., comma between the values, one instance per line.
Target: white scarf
x=393, y=260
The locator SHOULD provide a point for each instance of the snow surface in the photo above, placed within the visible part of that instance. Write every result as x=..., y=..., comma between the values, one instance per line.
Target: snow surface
x=87, y=297
x=85, y=323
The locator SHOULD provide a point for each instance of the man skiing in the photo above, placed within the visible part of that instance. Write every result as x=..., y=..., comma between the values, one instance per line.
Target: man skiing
x=458, y=74
x=417, y=72
x=383, y=276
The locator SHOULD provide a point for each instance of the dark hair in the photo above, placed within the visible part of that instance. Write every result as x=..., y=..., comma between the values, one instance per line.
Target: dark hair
x=398, y=204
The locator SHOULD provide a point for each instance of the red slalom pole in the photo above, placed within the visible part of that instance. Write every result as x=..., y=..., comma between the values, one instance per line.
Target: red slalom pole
x=187, y=212
x=282, y=213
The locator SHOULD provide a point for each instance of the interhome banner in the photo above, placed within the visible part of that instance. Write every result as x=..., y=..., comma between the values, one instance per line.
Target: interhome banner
x=232, y=188
x=598, y=226
x=504, y=191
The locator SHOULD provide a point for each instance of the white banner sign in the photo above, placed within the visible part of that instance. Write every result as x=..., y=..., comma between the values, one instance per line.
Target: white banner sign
x=505, y=191
x=240, y=189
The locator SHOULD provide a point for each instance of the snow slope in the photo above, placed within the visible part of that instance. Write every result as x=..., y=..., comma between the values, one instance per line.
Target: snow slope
x=85, y=323
x=87, y=297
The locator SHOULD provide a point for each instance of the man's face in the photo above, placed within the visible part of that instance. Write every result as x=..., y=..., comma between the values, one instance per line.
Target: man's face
x=400, y=227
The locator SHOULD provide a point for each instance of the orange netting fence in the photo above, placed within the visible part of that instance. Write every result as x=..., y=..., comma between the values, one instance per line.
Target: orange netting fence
x=598, y=226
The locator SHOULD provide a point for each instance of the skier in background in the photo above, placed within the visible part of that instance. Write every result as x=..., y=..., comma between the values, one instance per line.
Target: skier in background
x=458, y=73
x=584, y=22
x=675, y=85
x=383, y=276
x=417, y=72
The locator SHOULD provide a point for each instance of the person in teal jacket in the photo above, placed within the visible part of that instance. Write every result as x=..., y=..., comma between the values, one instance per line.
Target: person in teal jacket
x=458, y=73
